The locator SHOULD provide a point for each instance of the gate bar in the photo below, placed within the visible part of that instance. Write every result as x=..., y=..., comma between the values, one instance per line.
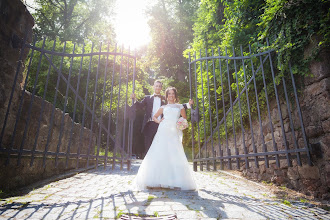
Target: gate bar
x=93, y=113
x=224, y=111
x=291, y=122
x=84, y=111
x=216, y=107
x=234, y=58
x=232, y=112
x=131, y=121
x=240, y=113
x=258, y=107
x=279, y=115
x=53, y=111
x=249, y=111
x=74, y=110
x=205, y=143
x=77, y=54
x=268, y=109
x=300, y=118
x=197, y=109
x=191, y=116
x=117, y=118
x=63, y=114
x=101, y=116
x=269, y=153
x=124, y=116
x=210, y=111
x=109, y=115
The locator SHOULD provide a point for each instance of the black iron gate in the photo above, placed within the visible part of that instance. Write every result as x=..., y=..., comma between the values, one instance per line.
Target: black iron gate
x=71, y=109
x=247, y=113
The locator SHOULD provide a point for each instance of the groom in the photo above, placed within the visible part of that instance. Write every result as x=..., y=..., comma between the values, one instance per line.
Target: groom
x=150, y=104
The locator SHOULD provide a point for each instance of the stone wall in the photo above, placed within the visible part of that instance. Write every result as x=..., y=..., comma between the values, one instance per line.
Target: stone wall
x=14, y=23
x=315, y=106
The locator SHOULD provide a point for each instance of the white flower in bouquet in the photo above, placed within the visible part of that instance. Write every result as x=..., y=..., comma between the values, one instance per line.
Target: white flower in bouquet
x=182, y=123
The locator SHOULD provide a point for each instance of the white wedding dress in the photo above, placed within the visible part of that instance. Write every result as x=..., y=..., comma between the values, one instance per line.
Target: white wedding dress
x=165, y=164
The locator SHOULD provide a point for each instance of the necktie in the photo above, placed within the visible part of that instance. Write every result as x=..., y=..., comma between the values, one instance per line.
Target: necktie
x=159, y=96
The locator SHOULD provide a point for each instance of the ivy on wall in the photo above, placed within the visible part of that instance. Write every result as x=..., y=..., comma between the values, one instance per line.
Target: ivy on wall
x=290, y=27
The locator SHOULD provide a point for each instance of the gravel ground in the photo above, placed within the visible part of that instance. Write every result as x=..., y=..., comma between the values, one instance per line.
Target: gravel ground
x=107, y=194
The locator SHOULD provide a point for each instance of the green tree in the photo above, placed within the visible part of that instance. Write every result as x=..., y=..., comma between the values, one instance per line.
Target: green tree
x=171, y=30
x=74, y=20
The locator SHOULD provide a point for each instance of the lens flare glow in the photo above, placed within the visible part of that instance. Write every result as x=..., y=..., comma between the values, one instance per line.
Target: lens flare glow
x=131, y=23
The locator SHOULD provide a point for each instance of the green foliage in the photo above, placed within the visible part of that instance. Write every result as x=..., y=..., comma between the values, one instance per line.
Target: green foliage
x=74, y=20
x=222, y=26
x=297, y=24
x=170, y=23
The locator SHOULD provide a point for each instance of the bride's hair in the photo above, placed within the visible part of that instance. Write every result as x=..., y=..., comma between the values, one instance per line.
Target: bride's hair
x=175, y=93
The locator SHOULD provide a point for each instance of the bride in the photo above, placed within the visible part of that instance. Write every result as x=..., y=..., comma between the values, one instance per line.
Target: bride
x=166, y=165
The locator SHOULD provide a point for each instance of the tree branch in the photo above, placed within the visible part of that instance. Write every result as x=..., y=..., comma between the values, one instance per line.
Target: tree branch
x=59, y=6
x=82, y=23
x=51, y=24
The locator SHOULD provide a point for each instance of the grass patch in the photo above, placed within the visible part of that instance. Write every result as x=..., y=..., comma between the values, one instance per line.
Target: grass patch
x=120, y=213
x=110, y=153
x=97, y=215
x=267, y=183
x=286, y=202
x=283, y=187
x=304, y=200
x=150, y=198
x=46, y=197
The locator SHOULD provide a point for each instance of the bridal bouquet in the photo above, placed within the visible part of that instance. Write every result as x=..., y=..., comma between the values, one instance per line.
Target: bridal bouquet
x=182, y=123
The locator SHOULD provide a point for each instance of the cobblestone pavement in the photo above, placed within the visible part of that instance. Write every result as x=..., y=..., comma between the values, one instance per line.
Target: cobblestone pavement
x=106, y=194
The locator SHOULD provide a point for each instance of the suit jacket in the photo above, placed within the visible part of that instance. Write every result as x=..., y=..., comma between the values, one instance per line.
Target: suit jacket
x=147, y=104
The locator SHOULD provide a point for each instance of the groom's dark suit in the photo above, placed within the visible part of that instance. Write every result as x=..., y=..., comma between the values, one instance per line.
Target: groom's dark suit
x=149, y=127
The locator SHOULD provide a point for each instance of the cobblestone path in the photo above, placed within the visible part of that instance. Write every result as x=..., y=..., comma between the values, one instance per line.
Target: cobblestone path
x=106, y=194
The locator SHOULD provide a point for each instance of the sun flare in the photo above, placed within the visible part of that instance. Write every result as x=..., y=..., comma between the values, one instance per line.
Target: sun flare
x=131, y=25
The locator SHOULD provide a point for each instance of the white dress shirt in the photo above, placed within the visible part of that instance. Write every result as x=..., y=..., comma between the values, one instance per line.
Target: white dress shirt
x=156, y=106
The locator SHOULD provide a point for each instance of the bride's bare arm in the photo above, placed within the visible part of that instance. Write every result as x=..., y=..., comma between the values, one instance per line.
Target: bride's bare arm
x=183, y=113
x=158, y=113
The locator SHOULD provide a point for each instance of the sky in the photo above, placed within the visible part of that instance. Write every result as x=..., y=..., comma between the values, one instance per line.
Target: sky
x=131, y=25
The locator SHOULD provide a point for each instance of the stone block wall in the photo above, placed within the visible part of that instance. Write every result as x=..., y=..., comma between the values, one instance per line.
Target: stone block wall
x=315, y=106
x=15, y=22
x=13, y=176
x=77, y=143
